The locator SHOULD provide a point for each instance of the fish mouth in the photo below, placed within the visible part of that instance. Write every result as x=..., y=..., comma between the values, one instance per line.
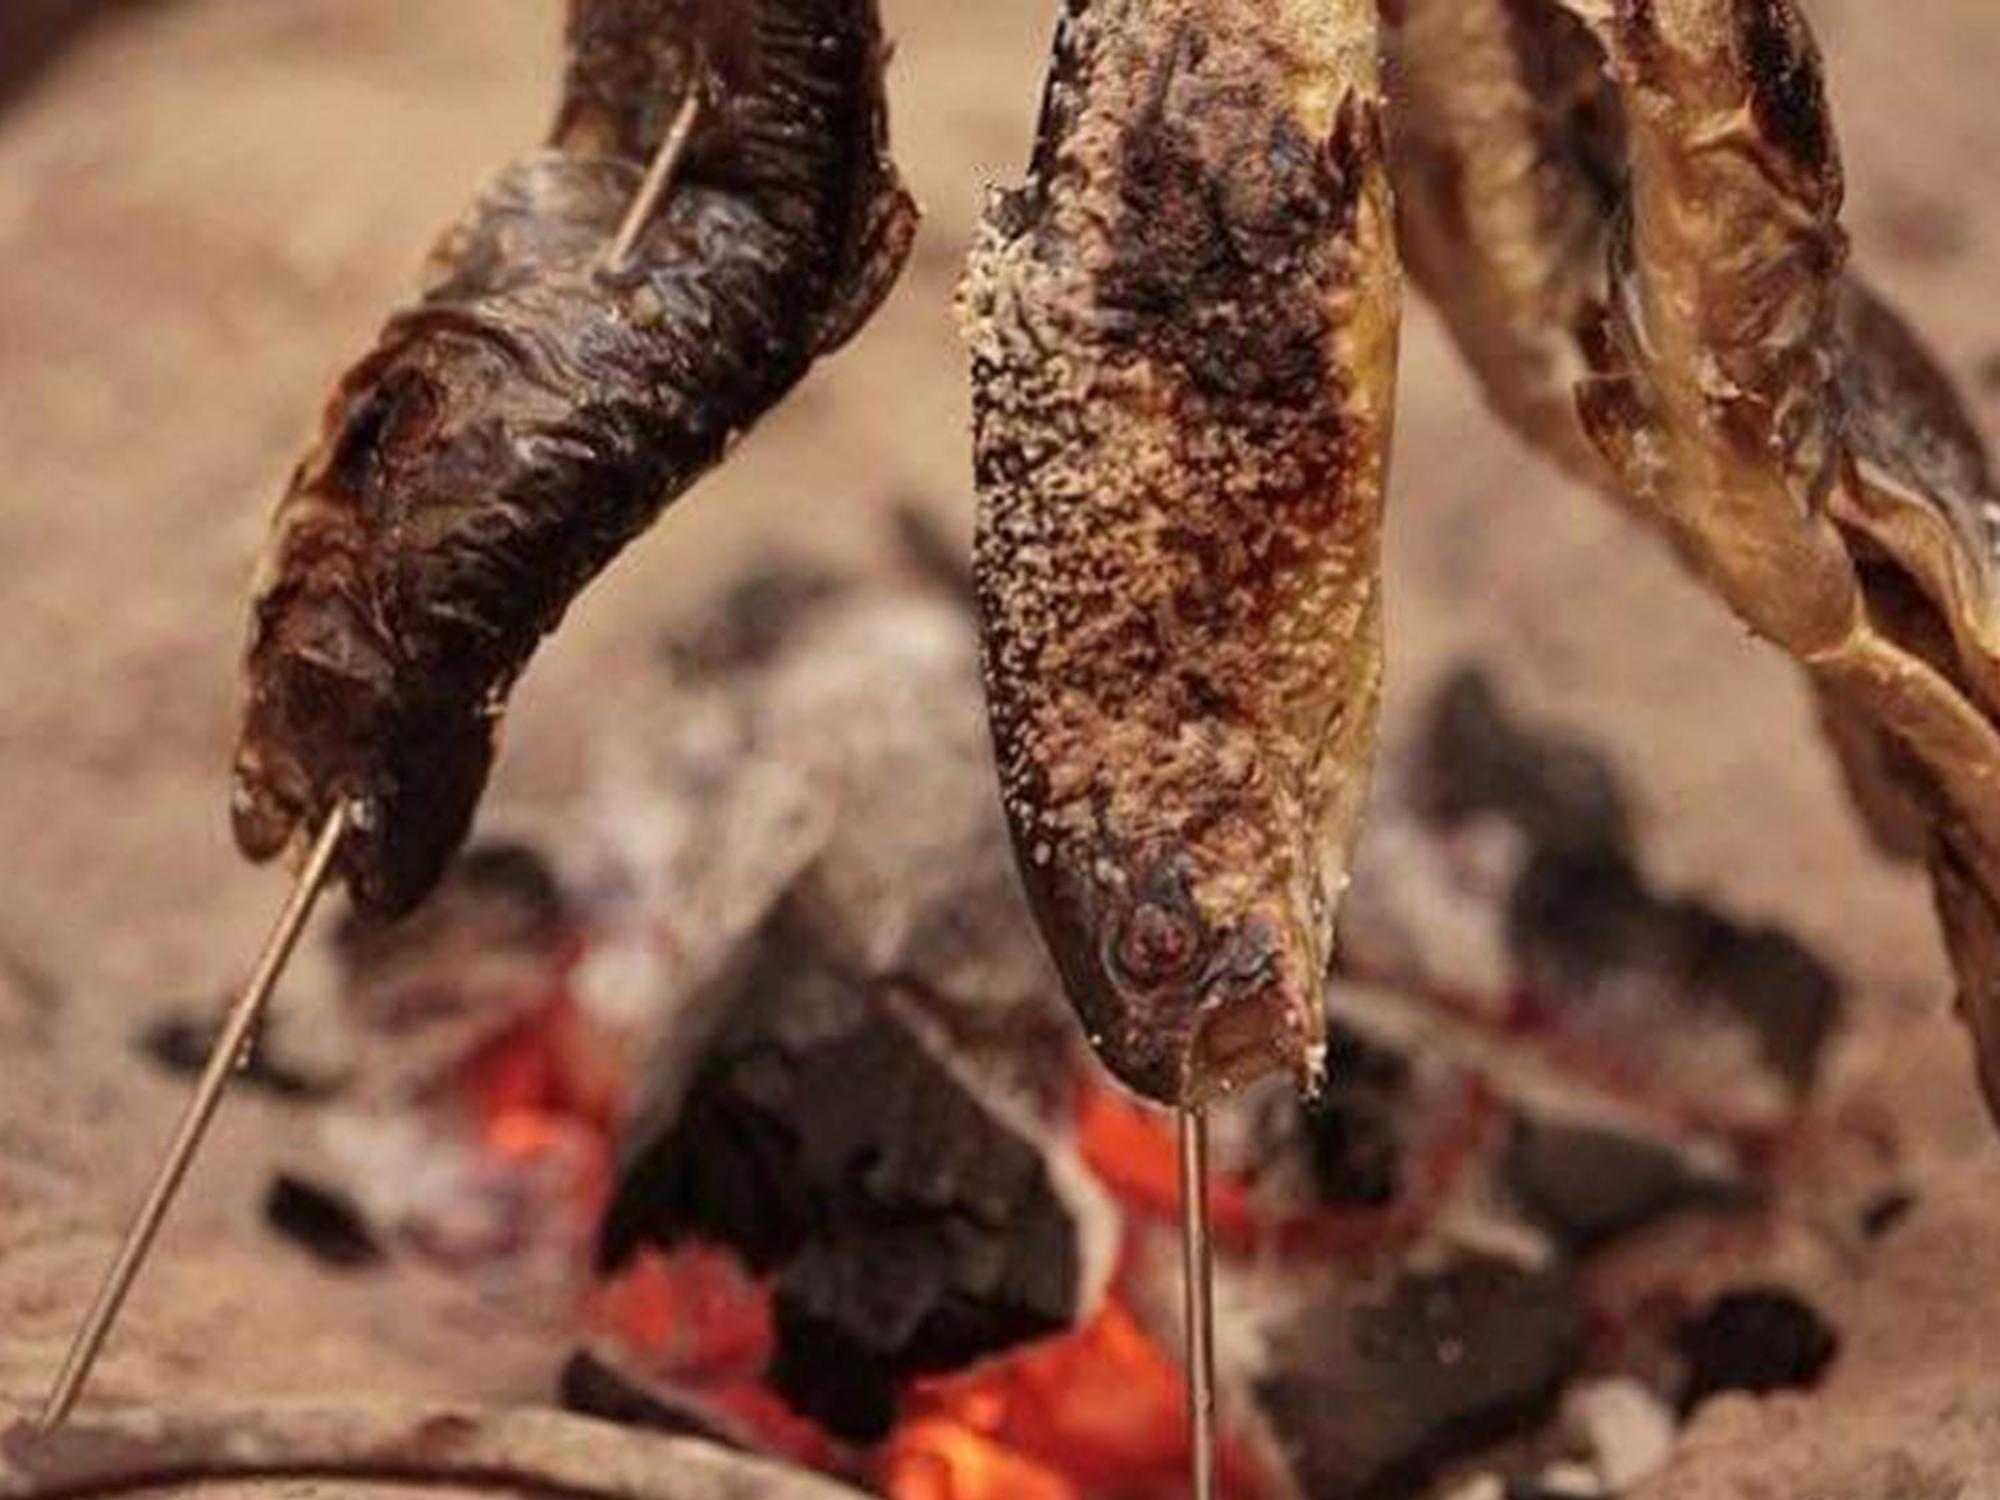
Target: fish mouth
x=1251, y=1027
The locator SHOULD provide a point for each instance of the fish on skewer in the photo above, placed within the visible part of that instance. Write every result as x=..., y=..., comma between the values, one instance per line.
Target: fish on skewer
x=1183, y=333
x=714, y=211
x=544, y=400
x=1630, y=219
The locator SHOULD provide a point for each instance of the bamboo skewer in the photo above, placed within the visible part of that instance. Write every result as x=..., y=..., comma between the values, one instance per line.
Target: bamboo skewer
x=1198, y=1293
x=223, y=1060
x=659, y=176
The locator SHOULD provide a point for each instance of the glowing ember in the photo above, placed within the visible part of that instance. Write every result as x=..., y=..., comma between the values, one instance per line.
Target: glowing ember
x=934, y=1458
x=1096, y=1414
x=694, y=1314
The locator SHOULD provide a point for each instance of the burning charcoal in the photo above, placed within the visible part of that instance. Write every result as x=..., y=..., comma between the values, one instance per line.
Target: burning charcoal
x=1350, y=1139
x=1588, y=1184
x=1472, y=760
x=507, y=887
x=323, y=1223
x=759, y=615
x=1370, y=1400
x=1759, y=1340
x=180, y=1042
x=1589, y=934
x=907, y=1226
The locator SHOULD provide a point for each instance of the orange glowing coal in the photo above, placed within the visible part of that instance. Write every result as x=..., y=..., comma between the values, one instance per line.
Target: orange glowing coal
x=1094, y=1414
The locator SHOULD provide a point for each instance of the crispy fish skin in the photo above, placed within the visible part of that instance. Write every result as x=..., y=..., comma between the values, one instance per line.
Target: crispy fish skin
x=1183, y=332
x=1652, y=282
x=535, y=411
x=1509, y=157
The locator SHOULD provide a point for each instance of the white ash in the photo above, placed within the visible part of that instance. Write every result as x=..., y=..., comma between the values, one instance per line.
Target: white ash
x=1627, y=1432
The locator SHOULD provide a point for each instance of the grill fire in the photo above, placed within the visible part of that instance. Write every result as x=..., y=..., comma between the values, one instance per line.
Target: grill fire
x=773, y=1086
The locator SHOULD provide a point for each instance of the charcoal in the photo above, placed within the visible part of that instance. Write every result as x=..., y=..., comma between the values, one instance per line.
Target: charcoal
x=1587, y=926
x=826, y=1374
x=506, y=888
x=325, y=1224
x=1757, y=1340
x=1581, y=919
x=1386, y=1132
x=1472, y=759
x=1499, y=875
x=1354, y=1127
x=1344, y=1147
x=906, y=1226
x=180, y=1041
x=757, y=617
x=1588, y=1185
x=1368, y=1401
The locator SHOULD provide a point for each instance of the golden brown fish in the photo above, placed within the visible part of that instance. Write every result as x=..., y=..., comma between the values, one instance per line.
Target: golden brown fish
x=1628, y=212
x=1183, y=335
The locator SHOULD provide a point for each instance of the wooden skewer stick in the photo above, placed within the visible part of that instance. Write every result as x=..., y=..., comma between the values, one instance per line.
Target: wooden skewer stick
x=223, y=1060
x=658, y=177
x=1198, y=1299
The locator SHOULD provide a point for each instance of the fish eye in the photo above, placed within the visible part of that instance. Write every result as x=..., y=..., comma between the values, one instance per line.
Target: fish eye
x=1154, y=945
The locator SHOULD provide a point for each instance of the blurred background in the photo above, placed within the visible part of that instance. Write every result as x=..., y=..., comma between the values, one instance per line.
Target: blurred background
x=207, y=206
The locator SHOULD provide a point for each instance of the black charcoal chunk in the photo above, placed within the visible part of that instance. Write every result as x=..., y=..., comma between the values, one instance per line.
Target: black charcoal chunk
x=1756, y=1340
x=1586, y=926
x=1587, y=1185
x=906, y=1226
x=1355, y=1128
x=325, y=1224
x=179, y=1043
x=1369, y=1400
x=1473, y=760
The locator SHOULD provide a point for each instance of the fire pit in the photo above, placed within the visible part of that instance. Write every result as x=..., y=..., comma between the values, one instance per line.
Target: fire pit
x=764, y=1076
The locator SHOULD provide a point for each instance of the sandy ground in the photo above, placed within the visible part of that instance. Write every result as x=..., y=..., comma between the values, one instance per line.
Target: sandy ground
x=203, y=213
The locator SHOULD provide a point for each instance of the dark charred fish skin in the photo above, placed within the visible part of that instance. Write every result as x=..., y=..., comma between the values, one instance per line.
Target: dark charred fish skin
x=535, y=410
x=1183, y=333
